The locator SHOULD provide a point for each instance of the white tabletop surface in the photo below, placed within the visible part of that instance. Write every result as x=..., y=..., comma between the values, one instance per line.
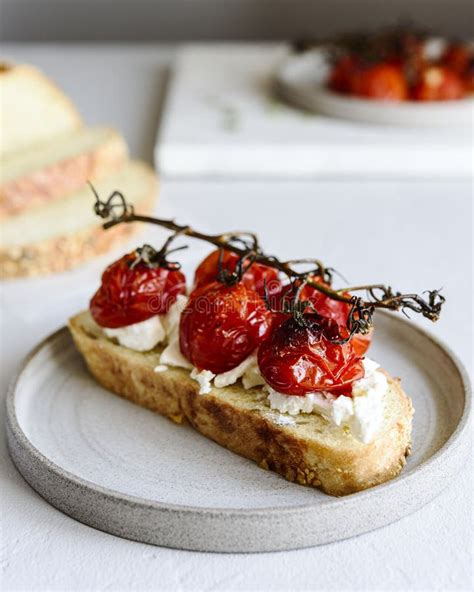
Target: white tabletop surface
x=414, y=235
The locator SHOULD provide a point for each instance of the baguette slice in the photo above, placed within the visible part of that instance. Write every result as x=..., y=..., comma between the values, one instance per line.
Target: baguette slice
x=309, y=451
x=32, y=108
x=58, y=167
x=60, y=234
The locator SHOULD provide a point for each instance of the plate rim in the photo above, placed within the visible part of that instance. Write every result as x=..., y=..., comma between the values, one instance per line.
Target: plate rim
x=15, y=431
x=288, y=90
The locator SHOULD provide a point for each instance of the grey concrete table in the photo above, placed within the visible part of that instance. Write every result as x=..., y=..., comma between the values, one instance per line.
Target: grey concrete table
x=414, y=235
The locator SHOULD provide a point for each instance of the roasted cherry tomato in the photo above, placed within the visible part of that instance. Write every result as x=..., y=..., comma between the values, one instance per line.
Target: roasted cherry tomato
x=255, y=277
x=326, y=307
x=468, y=79
x=460, y=58
x=457, y=58
x=300, y=359
x=133, y=293
x=222, y=325
x=384, y=81
x=361, y=343
x=408, y=53
x=340, y=79
x=438, y=83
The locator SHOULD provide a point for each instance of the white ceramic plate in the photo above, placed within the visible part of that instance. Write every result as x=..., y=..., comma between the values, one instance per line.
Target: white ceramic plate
x=129, y=472
x=301, y=81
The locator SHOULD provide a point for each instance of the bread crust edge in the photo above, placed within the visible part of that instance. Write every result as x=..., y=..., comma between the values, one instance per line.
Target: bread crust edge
x=63, y=177
x=68, y=251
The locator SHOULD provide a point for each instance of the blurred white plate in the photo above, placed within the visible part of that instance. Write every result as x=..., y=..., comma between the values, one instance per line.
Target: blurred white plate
x=301, y=81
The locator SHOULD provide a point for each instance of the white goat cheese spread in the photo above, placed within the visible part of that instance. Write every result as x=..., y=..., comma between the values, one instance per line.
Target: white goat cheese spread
x=171, y=320
x=362, y=413
x=147, y=334
x=204, y=379
x=171, y=355
x=247, y=370
x=141, y=336
x=280, y=418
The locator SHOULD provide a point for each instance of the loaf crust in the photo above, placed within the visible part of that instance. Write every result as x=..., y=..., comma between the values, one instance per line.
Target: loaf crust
x=61, y=178
x=67, y=251
x=309, y=451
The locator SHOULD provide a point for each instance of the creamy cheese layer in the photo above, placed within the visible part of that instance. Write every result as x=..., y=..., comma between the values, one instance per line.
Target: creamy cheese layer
x=146, y=335
x=141, y=336
x=362, y=413
x=247, y=370
x=171, y=355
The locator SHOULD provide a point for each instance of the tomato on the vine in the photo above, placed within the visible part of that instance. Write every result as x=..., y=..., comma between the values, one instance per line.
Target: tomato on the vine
x=458, y=57
x=133, y=291
x=222, y=325
x=298, y=359
x=256, y=277
x=325, y=306
x=340, y=78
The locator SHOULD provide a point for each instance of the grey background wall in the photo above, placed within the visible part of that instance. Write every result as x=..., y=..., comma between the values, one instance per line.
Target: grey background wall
x=174, y=20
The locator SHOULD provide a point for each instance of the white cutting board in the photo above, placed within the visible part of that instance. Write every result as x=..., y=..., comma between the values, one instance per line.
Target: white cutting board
x=221, y=120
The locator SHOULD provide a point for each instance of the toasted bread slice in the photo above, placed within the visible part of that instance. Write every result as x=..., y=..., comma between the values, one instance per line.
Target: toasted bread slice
x=60, y=234
x=307, y=450
x=32, y=108
x=59, y=167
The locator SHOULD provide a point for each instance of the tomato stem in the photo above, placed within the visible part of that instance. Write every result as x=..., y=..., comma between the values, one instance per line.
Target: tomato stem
x=245, y=244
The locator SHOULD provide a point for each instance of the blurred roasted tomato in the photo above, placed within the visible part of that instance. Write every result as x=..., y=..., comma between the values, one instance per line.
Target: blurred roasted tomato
x=438, y=83
x=342, y=73
x=383, y=81
x=457, y=58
